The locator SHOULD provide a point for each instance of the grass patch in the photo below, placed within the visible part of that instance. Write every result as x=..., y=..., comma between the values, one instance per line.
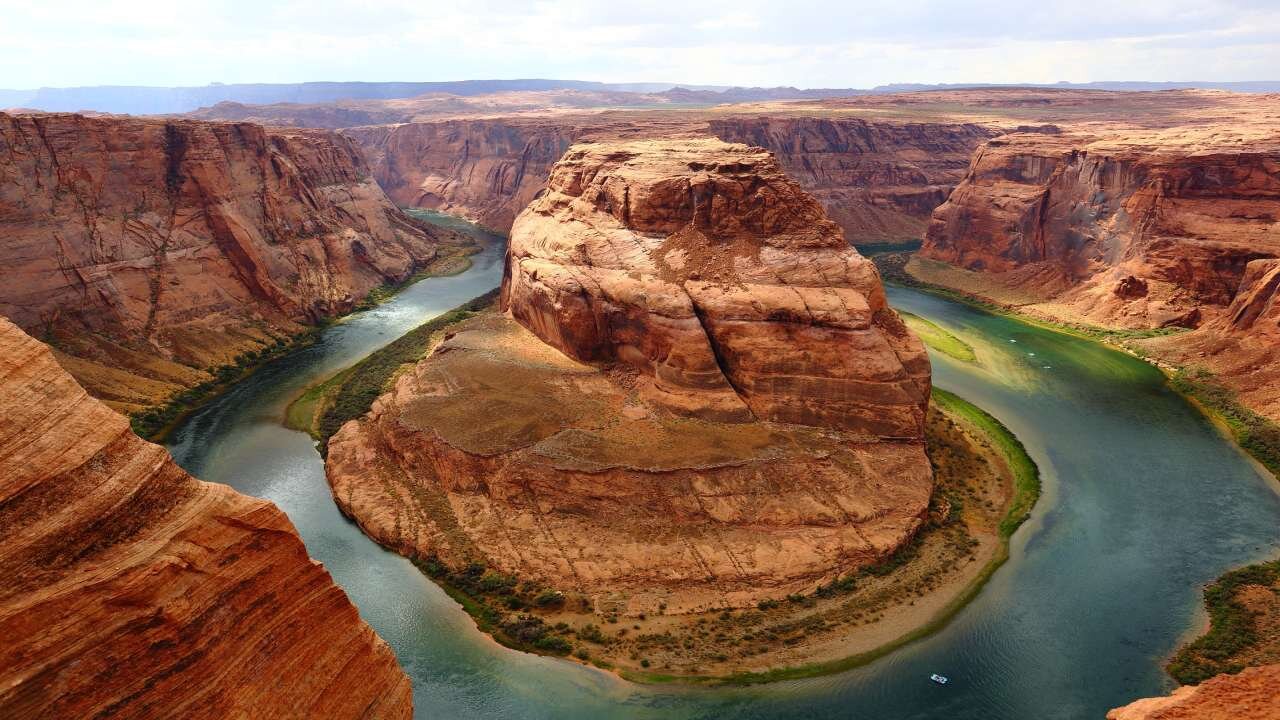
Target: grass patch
x=1026, y=476
x=1232, y=630
x=155, y=423
x=1259, y=436
x=939, y=338
x=322, y=409
x=500, y=604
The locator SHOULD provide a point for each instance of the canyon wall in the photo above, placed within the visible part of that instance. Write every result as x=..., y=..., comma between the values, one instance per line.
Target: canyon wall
x=133, y=590
x=149, y=251
x=1124, y=236
x=699, y=397
x=879, y=181
x=1132, y=232
x=484, y=170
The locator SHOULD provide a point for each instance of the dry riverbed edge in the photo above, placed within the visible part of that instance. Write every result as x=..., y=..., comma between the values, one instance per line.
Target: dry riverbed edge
x=987, y=486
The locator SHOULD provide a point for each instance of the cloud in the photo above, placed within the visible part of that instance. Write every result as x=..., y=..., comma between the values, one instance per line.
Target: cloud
x=809, y=43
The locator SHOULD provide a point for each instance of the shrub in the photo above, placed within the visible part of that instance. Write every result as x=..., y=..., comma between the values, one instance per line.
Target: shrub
x=549, y=599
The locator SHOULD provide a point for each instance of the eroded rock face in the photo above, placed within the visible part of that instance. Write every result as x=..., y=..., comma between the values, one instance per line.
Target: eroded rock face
x=698, y=399
x=484, y=170
x=1250, y=695
x=703, y=266
x=1166, y=230
x=1101, y=222
x=879, y=181
x=152, y=250
x=133, y=590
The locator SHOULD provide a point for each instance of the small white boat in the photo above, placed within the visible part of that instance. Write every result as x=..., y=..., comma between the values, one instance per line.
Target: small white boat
x=940, y=679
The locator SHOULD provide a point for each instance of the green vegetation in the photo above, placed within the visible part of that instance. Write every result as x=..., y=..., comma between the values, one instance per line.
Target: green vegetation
x=1232, y=627
x=1026, y=475
x=1259, y=436
x=490, y=599
x=325, y=407
x=939, y=338
x=156, y=422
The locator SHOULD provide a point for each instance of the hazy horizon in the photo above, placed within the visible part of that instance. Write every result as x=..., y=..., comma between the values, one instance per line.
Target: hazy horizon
x=806, y=44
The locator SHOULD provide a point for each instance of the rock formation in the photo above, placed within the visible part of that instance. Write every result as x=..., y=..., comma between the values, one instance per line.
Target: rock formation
x=1133, y=237
x=879, y=180
x=484, y=170
x=1134, y=229
x=699, y=397
x=151, y=250
x=710, y=271
x=133, y=590
x=1250, y=695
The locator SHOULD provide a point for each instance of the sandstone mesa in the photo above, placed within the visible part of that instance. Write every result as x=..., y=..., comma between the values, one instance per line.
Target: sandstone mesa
x=698, y=398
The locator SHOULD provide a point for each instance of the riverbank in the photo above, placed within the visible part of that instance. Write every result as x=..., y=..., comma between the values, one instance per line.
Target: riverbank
x=321, y=409
x=1243, y=605
x=1256, y=435
x=157, y=422
x=1244, y=626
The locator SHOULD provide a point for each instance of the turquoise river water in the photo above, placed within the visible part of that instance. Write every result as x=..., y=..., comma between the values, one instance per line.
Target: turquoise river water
x=1144, y=502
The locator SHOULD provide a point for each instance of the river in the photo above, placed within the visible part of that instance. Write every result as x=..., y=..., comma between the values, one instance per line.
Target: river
x=1144, y=501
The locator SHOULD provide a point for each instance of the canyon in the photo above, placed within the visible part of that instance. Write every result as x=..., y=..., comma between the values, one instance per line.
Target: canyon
x=151, y=252
x=133, y=590
x=655, y=421
x=879, y=181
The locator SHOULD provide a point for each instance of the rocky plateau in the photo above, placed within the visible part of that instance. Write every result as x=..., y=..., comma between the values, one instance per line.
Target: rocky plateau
x=1250, y=694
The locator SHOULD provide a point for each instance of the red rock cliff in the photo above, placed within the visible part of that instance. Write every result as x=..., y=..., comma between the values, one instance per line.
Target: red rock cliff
x=152, y=249
x=703, y=265
x=1129, y=236
x=132, y=590
x=1137, y=231
x=1250, y=695
x=484, y=170
x=878, y=180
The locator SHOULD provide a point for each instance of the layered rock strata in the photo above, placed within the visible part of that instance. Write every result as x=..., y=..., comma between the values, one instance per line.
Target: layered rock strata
x=878, y=181
x=133, y=590
x=699, y=397
x=150, y=250
x=1249, y=695
x=1133, y=231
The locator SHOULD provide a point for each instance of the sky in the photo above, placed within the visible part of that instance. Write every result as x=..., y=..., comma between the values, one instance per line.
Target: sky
x=803, y=43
